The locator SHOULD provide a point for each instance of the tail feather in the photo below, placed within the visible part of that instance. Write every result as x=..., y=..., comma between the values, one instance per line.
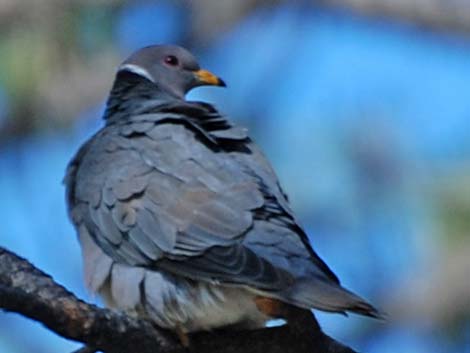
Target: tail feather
x=329, y=296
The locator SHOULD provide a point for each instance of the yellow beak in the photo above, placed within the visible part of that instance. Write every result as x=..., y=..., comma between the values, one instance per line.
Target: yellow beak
x=205, y=77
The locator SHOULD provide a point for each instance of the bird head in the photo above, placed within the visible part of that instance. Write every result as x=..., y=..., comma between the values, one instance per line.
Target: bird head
x=172, y=68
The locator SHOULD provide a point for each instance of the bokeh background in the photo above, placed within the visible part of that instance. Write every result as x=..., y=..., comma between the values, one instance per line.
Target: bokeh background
x=363, y=107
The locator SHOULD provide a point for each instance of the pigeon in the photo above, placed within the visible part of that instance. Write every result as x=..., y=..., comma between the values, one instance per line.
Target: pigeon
x=180, y=216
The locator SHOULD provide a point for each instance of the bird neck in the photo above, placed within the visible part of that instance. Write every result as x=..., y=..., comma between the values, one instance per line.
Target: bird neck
x=133, y=94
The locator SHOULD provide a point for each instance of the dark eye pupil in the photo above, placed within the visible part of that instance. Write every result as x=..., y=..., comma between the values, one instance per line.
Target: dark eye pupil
x=171, y=60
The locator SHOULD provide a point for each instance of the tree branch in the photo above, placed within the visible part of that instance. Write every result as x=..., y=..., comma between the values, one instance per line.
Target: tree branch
x=26, y=290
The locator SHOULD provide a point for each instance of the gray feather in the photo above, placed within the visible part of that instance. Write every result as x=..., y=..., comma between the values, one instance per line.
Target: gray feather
x=97, y=265
x=124, y=215
x=144, y=243
x=157, y=191
x=104, y=221
x=236, y=133
x=125, y=283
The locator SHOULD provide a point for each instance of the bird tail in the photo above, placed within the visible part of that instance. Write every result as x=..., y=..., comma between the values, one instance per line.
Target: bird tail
x=329, y=296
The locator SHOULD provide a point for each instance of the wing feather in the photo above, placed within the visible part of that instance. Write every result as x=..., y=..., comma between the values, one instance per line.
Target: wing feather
x=167, y=201
x=194, y=197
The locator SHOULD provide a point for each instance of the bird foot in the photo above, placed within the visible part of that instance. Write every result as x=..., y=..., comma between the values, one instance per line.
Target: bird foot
x=183, y=337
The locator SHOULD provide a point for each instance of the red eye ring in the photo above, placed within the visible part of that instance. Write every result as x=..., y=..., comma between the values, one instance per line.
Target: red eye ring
x=171, y=60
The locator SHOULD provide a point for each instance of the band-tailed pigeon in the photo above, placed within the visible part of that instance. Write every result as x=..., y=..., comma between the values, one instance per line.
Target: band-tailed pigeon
x=180, y=216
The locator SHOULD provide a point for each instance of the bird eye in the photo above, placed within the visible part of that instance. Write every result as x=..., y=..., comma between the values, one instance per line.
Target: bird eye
x=171, y=60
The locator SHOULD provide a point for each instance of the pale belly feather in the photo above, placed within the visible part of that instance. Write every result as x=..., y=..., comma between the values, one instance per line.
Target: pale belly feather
x=170, y=301
x=173, y=302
